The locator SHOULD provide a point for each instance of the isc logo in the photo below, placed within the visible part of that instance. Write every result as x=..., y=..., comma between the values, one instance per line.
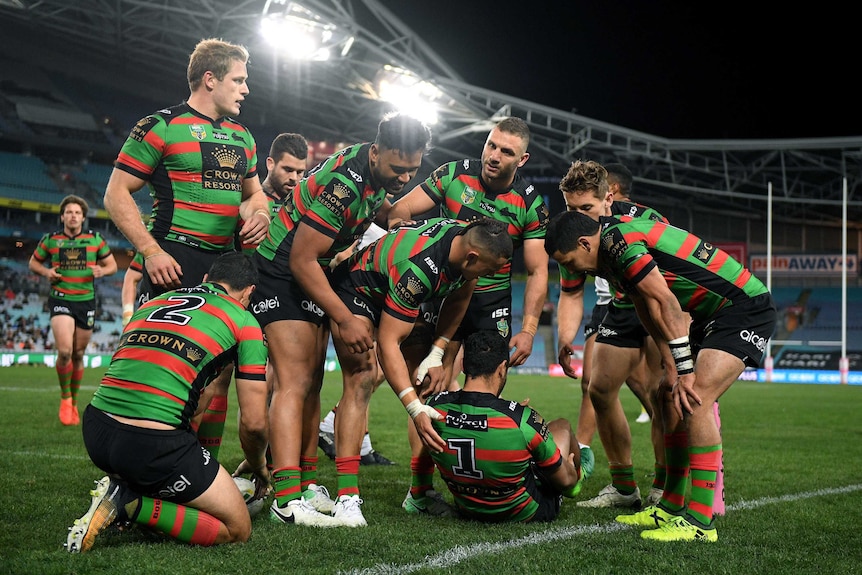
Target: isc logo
x=501, y=312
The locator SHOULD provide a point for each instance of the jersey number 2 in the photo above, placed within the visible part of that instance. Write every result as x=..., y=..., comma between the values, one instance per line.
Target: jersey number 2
x=173, y=313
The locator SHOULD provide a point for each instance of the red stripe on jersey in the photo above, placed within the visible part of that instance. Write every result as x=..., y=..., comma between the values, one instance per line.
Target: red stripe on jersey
x=224, y=317
x=72, y=291
x=78, y=280
x=700, y=293
x=687, y=246
x=114, y=382
x=504, y=455
x=176, y=148
x=185, y=177
x=134, y=164
x=170, y=361
x=575, y=284
x=637, y=266
x=743, y=278
x=217, y=209
x=718, y=260
x=155, y=140
x=652, y=236
x=215, y=240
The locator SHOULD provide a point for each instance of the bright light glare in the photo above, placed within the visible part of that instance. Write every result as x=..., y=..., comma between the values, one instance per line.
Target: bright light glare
x=409, y=94
x=301, y=34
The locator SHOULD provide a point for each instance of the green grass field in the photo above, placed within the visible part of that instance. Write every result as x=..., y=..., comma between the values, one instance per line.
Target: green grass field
x=792, y=474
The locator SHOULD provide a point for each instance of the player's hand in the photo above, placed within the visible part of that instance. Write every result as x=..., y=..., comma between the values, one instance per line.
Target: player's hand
x=426, y=430
x=564, y=356
x=254, y=229
x=522, y=342
x=432, y=360
x=685, y=399
x=261, y=478
x=437, y=380
x=398, y=223
x=164, y=271
x=97, y=271
x=242, y=469
x=54, y=276
x=356, y=335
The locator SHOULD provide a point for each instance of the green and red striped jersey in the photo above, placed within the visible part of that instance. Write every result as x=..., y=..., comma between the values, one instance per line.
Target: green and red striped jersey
x=406, y=267
x=74, y=259
x=490, y=443
x=137, y=263
x=173, y=347
x=624, y=210
x=703, y=277
x=336, y=198
x=457, y=187
x=195, y=167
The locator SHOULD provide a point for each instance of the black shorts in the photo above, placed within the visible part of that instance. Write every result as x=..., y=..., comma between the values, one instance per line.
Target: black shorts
x=487, y=310
x=742, y=330
x=425, y=327
x=163, y=464
x=540, y=489
x=622, y=327
x=195, y=263
x=279, y=298
x=84, y=312
x=592, y=326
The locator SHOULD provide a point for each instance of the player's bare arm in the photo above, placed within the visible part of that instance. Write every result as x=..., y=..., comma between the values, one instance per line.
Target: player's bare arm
x=254, y=210
x=308, y=245
x=162, y=268
x=570, y=313
x=435, y=372
x=535, y=294
x=416, y=201
x=391, y=333
x=669, y=326
x=253, y=429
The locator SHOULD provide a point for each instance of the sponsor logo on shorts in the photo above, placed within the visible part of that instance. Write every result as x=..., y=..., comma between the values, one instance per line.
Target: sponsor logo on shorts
x=175, y=488
x=753, y=338
x=61, y=309
x=361, y=304
x=606, y=331
x=266, y=305
x=430, y=317
x=309, y=305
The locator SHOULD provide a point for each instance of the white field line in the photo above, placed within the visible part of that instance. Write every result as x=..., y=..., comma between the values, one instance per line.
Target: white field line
x=449, y=558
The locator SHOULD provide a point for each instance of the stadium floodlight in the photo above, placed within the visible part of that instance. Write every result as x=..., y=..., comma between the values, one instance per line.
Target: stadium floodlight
x=302, y=34
x=408, y=93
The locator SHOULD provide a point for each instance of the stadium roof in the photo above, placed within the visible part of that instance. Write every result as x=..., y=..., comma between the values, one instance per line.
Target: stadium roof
x=132, y=45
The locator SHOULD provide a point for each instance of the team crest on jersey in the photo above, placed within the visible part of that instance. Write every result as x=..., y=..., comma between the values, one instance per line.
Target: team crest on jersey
x=704, y=251
x=468, y=196
x=199, y=132
x=503, y=327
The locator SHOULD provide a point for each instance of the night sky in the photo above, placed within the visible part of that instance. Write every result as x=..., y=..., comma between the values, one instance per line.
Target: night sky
x=670, y=69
